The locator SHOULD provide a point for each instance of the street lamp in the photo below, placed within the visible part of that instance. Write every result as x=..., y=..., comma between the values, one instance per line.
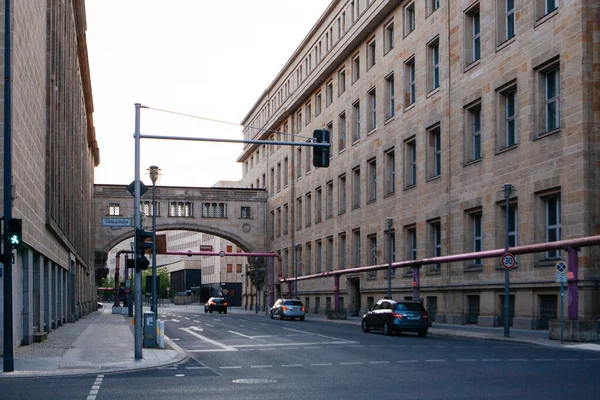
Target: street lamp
x=389, y=222
x=154, y=174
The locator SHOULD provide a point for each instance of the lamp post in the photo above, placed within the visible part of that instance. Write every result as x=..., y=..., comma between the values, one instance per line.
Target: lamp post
x=389, y=222
x=507, y=189
x=154, y=173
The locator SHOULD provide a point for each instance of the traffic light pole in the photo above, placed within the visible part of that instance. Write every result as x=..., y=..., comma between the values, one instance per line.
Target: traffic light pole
x=9, y=362
x=137, y=225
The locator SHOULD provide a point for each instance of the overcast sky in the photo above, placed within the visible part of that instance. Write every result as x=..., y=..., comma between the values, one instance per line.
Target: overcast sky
x=207, y=58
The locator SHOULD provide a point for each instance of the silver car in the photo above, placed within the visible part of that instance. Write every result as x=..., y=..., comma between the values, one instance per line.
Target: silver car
x=288, y=308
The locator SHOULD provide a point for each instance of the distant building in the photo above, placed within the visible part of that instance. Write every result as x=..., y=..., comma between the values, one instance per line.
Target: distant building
x=432, y=106
x=54, y=152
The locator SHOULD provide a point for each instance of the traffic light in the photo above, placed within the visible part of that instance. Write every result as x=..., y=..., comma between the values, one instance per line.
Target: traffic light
x=141, y=240
x=14, y=233
x=321, y=154
x=143, y=263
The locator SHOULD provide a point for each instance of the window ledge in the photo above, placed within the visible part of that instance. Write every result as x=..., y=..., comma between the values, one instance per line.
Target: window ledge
x=389, y=120
x=356, y=142
x=371, y=201
x=433, y=92
x=355, y=207
x=407, y=33
x=506, y=43
x=473, y=268
x=433, y=273
x=388, y=194
x=546, y=134
x=545, y=18
x=409, y=107
x=433, y=178
x=410, y=186
x=471, y=162
x=342, y=150
x=342, y=212
x=547, y=262
x=505, y=149
x=372, y=131
x=472, y=65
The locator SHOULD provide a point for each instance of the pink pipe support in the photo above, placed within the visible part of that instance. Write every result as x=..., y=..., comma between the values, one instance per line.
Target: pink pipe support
x=118, y=257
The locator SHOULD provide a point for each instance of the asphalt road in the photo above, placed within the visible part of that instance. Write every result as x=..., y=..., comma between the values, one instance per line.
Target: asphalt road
x=247, y=356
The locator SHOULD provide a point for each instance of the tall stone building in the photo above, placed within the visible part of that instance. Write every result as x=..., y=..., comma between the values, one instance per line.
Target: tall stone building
x=432, y=106
x=54, y=152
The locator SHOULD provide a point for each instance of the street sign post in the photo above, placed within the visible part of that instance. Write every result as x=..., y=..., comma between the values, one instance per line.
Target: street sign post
x=562, y=276
x=508, y=261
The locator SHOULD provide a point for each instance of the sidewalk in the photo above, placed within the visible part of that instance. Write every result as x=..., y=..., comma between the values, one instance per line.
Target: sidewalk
x=103, y=342
x=100, y=342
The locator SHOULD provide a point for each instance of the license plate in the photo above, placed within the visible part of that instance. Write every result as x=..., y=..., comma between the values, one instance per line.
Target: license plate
x=414, y=318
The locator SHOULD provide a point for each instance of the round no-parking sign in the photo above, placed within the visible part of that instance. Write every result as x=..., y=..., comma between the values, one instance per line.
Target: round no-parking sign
x=508, y=261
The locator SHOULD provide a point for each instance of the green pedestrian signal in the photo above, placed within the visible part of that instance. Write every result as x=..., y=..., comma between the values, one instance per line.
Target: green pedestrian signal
x=14, y=233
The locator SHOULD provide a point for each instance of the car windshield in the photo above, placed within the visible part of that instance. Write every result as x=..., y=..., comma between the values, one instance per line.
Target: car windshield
x=293, y=303
x=408, y=307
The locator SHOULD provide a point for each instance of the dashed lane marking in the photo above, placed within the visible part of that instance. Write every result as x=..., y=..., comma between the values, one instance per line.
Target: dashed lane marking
x=291, y=365
x=95, y=388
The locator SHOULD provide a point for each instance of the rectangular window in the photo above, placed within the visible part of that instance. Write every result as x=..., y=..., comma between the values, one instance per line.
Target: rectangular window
x=409, y=18
x=508, y=118
x=545, y=7
x=372, y=180
x=285, y=171
x=308, y=155
x=373, y=259
x=390, y=109
x=410, y=166
x=329, y=254
x=342, y=127
x=411, y=243
x=371, y=53
x=509, y=19
x=229, y=268
x=390, y=172
x=372, y=115
x=432, y=5
x=238, y=268
x=356, y=248
x=278, y=222
x=473, y=133
x=278, y=177
x=298, y=121
x=272, y=182
x=114, y=209
x=341, y=81
x=298, y=162
x=318, y=203
x=329, y=93
x=355, y=121
x=299, y=213
x=342, y=194
x=329, y=205
x=308, y=259
x=410, y=93
x=318, y=256
x=356, y=187
x=434, y=152
x=286, y=218
x=318, y=104
x=388, y=37
x=553, y=223
x=308, y=112
x=477, y=230
x=342, y=257
x=473, y=34
x=552, y=98
x=245, y=212
x=272, y=224
x=436, y=241
x=355, y=68
x=308, y=209
x=434, y=64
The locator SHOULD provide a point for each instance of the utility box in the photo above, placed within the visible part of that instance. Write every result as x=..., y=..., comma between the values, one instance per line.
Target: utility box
x=149, y=329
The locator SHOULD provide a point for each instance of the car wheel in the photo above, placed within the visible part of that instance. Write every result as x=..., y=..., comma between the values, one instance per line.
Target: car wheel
x=386, y=329
x=210, y=311
x=292, y=319
x=301, y=318
x=225, y=312
x=220, y=312
x=272, y=317
x=365, y=327
x=423, y=333
x=205, y=310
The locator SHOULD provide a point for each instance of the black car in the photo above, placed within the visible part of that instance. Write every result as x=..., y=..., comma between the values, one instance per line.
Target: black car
x=392, y=316
x=216, y=304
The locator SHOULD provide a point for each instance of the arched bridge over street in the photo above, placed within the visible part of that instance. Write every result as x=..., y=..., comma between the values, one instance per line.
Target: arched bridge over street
x=235, y=214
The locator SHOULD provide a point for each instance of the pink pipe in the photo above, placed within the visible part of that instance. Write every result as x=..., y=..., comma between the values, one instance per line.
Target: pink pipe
x=118, y=257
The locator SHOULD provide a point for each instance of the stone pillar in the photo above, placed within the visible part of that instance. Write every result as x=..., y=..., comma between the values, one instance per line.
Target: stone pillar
x=71, y=310
x=48, y=295
x=487, y=308
x=41, y=298
x=65, y=294
x=28, y=303
x=55, y=296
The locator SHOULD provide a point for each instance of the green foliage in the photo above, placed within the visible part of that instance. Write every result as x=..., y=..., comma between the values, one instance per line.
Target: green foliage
x=162, y=276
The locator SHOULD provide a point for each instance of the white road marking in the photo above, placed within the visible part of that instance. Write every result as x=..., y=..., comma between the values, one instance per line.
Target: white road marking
x=241, y=334
x=291, y=365
x=465, y=359
x=95, y=388
x=261, y=366
x=568, y=359
x=491, y=359
x=316, y=334
x=197, y=368
x=187, y=318
x=212, y=326
x=379, y=362
x=351, y=363
x=214, y=342
x=321, y=365
x=435, y=360
x=175, y=320
x=518, y=359
x=196, y=321
x=544, y=359
x=408, y=361
x=232, y=367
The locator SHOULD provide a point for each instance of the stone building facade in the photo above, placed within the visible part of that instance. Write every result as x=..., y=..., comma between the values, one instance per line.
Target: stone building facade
x=54, y=152
x=432, y=106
